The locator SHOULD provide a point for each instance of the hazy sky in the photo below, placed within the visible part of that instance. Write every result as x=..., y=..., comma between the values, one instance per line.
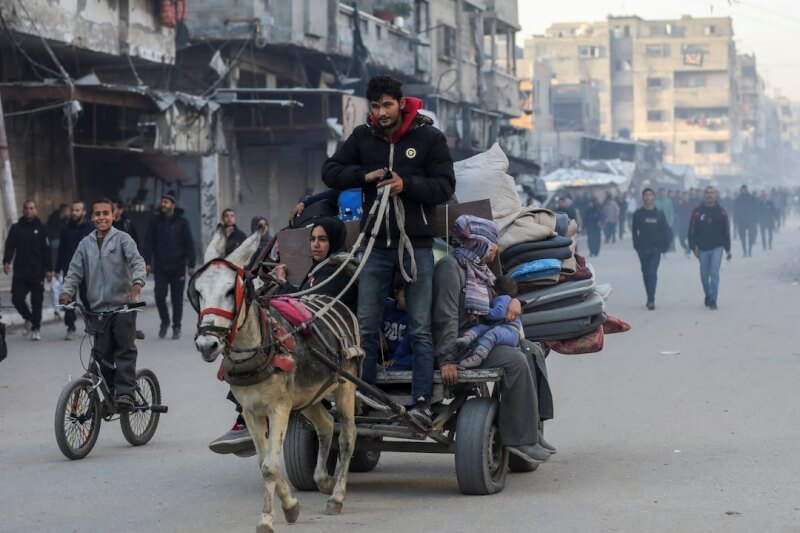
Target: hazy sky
x=770, y=28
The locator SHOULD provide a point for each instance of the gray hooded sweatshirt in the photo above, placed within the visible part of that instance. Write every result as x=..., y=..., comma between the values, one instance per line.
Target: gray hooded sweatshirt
x=109, y=272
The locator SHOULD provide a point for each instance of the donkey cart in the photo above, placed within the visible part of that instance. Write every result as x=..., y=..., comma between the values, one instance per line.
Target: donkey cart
x=464, y=425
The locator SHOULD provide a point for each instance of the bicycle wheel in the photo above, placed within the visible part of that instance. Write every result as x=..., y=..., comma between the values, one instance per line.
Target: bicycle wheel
x=77, y=421
x=139, y=426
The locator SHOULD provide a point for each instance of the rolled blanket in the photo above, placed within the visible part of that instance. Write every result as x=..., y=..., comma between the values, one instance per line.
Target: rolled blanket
x=591, y=306
x=569, y=329
x=529, y=246
x=535, y=270
x=564, y=252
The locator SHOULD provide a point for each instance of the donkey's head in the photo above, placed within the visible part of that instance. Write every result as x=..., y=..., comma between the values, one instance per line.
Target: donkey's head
x=218, y=293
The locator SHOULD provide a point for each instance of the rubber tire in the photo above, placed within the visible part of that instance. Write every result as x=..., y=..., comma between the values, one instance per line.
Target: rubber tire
x=365, y=461
x=481, y=461
x=300, y=448
x=61, y=408
x=516, y=464
x=130, y=434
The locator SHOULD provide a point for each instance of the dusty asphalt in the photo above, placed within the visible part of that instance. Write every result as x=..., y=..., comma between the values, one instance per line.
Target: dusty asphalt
x=687, y=423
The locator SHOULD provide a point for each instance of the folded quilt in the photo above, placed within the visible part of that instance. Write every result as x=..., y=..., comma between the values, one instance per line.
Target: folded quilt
x=523, y=247
x=535, y=270
x=565, y=252
x=591, y=306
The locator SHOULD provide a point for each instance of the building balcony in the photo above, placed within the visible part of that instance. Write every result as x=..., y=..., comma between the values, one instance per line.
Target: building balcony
x=113, y=28
x=501, y=93
x=504, y=11
x=701, y=97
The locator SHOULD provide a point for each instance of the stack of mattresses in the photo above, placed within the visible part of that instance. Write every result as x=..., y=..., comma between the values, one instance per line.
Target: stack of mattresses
x=562, y=305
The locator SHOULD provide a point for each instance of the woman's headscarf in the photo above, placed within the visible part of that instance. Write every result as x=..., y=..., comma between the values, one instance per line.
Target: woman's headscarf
x=336, y=232
x=475, y=237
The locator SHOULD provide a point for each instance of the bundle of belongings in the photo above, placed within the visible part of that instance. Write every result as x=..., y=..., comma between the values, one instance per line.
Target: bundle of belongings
x=563, y=306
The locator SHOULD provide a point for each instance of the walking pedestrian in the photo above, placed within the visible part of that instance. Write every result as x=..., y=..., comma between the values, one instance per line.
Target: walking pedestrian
x=745, y=216
x=168, y=252
x=709, y=237
x=72, y=234
x=592, y=225
x=623, y=215
x=683, y=216
x=767, y=219
x=123, y=223
x=234, y=237
x=29, y=248
x=664, y=204
x=55, y=223
x=651, y=237
x=610, y=218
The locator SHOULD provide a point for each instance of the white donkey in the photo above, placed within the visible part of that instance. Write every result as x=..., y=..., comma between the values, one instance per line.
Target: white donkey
x=272, y=373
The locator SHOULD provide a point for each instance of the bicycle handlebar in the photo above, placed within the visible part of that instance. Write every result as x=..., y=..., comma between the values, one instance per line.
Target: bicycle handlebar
x=127, y=308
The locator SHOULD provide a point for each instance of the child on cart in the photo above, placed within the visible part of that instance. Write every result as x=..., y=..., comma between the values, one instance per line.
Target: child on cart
x=396, y=339
x=109, y=262
x=502, y=325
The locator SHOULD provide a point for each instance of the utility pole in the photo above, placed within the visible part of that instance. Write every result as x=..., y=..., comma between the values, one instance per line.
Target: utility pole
x=6, y=179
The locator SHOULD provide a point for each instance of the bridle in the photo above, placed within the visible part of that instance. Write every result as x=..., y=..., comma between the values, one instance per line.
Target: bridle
x=242, y=298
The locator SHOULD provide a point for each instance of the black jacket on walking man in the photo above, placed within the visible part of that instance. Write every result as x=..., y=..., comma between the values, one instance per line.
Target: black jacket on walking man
x=29, y=247
x=168, y=252
x=398, y=149
x=709, y=237
x=76, y=228
x=745, y=215
x=651, y=237
x=234, y=237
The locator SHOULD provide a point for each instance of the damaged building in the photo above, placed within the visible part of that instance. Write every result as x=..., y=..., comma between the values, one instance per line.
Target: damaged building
x=235, y=104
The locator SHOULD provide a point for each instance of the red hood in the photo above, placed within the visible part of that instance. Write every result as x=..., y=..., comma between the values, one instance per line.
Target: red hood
x=409, y=114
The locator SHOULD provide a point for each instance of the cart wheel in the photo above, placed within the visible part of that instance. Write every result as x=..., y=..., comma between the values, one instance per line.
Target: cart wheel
x=517, y=464
x=365, y=460
x=139, y=426
x=481, y=460
x=300, y=448
x=77, y=421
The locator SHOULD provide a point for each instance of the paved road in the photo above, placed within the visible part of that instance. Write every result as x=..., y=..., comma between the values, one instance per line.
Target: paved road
x=688, y=423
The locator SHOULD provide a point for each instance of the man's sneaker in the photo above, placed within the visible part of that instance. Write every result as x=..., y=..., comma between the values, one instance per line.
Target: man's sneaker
x=421, y=412
x=35, y=335
x=70, y=336
x=162, y=331
x=125, y=404
x=237, y=440
x=530, y=453
x=712, y=305
x=26, y=328
x=707, y=302
x=176, y=333
x=650, y=306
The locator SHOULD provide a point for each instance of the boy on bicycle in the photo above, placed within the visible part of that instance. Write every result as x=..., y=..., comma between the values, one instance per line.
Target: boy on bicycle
x=109, y=262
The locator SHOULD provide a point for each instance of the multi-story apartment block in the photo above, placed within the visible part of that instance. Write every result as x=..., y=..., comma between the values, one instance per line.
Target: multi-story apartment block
x=670, y=81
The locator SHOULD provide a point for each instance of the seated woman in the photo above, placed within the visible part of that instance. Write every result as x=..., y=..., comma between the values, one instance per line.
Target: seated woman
x=461, y=294
x=328, y=237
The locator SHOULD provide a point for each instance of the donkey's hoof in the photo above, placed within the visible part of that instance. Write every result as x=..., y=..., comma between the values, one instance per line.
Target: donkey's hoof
x=292, y=513
x=264, y=529
x=333, y=507
x=326, y=486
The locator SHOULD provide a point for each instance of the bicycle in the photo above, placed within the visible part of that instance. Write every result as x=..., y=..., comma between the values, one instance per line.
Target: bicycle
x=86, y=401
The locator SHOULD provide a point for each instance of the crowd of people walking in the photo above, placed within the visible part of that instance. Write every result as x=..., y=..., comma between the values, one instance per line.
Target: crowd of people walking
x=702, y=221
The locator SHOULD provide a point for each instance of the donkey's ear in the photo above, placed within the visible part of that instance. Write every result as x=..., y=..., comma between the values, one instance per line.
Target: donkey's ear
x=216, y=248
x=242, y=255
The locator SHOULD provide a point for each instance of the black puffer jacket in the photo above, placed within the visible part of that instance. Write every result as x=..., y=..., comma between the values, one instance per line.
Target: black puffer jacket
x=419, y=154
x=168, y=245
x=27, y=244
x=71, y=236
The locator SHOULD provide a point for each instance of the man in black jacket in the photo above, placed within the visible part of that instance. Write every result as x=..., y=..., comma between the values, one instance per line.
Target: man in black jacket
x=168, y=252
x=745, y=214
x=233, y=235
x=123, y=223
x=709, y=235
x=71, y=235
x=398, y=149
x=27, y=244
x=650, y=232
